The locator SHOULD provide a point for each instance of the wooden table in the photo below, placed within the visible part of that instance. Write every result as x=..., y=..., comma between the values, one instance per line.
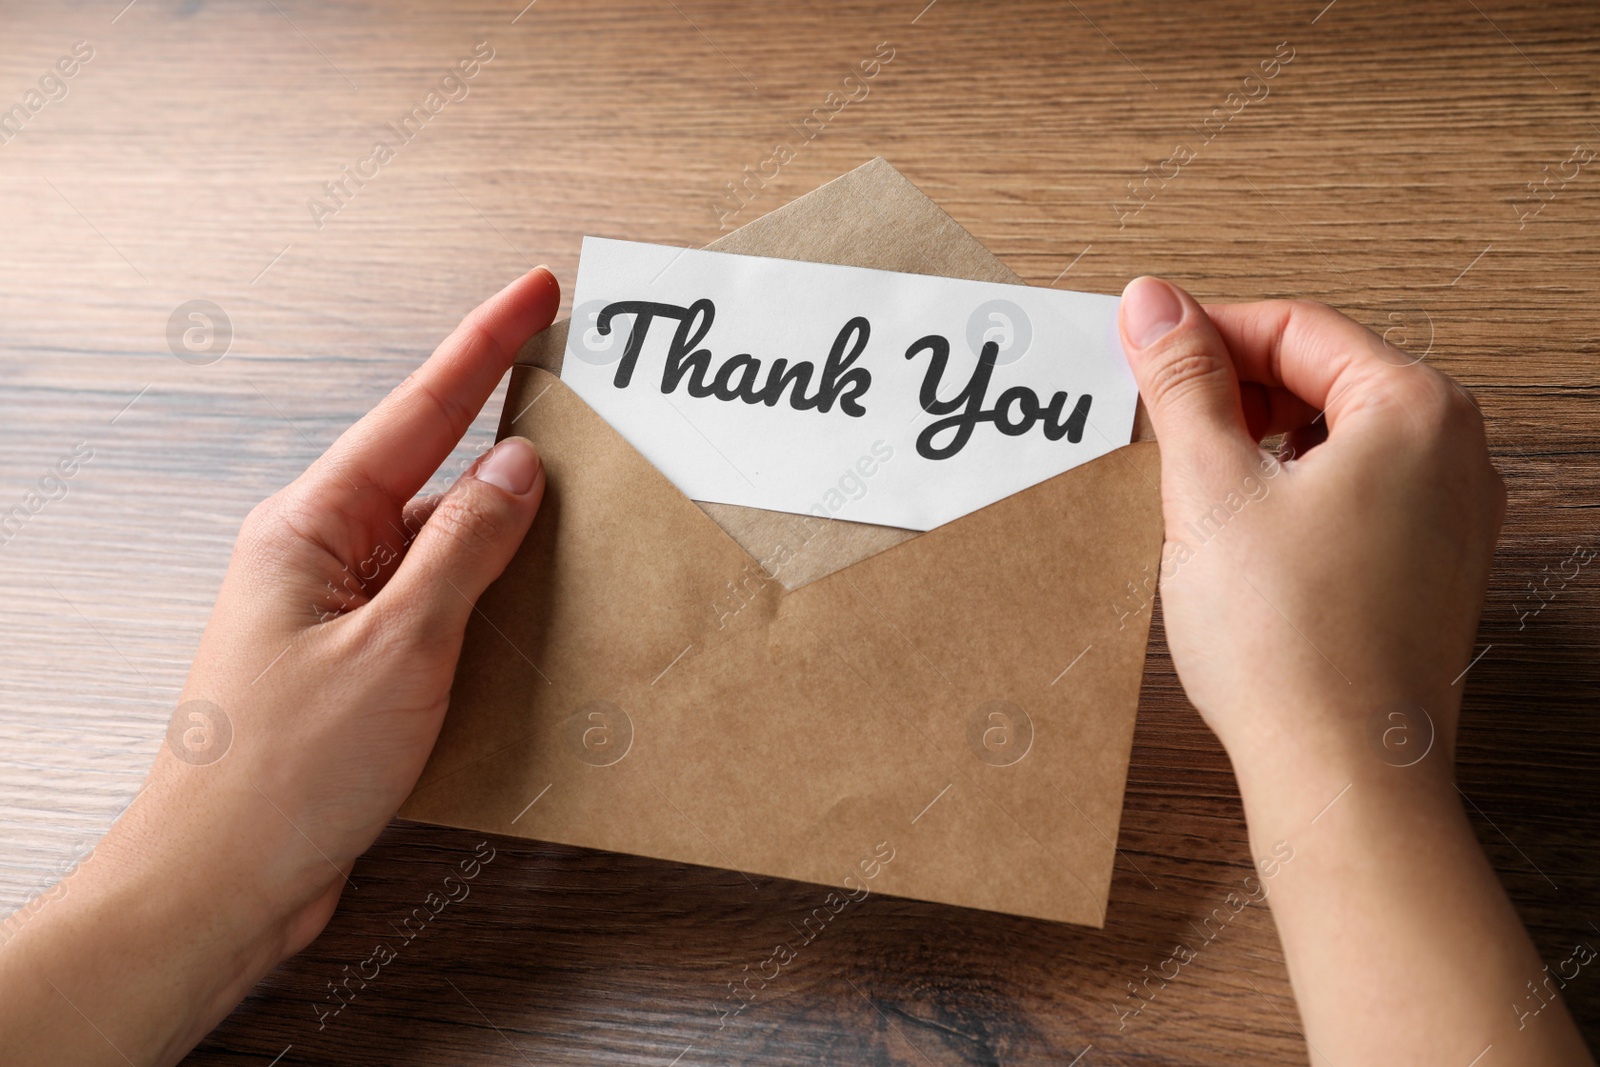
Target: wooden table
x=1385, y=168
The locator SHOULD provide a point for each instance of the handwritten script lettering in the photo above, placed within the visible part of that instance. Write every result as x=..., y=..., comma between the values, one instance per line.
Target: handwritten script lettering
x=1014, y=414
x=841, y=382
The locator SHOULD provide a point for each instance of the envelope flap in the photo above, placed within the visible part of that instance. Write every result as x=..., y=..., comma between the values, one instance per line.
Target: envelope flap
x=871, y=217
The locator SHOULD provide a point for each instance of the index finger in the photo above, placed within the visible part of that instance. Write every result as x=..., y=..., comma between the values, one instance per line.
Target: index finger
x=396, y=447
x=1323, y=357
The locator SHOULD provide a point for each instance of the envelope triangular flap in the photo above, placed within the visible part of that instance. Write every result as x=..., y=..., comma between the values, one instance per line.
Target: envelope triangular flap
x=963, y=700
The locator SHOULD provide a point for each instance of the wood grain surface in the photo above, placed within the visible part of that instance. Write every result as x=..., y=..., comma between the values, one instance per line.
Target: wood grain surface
x=1384, y=168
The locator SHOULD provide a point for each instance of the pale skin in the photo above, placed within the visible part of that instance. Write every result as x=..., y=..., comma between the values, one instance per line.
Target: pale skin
x=1368, y=559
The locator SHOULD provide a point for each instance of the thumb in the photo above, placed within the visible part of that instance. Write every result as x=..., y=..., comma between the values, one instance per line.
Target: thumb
x=470, y=537
x=1187, y=379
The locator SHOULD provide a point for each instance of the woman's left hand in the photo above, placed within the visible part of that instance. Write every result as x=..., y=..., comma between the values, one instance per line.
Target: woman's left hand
x=315, y=697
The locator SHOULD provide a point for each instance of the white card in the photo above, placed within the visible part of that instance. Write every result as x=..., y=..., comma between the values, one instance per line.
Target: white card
x=898, y=399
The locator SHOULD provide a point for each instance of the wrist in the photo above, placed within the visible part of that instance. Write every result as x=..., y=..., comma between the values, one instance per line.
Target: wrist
x=198, y=891
x=190, y=908
x=1293, y=775
x=222, y=845
x=1380, y=891
x=207, y=861
x=152, y=945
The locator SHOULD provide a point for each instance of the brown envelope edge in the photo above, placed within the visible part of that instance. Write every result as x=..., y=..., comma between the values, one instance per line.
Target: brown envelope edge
x=853, y=657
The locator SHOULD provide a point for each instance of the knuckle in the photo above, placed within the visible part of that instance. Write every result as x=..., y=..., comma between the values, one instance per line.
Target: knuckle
x=1440, y=408
x=261, y=517
x=1182, y=367
x=1307, y=308
x=266, y=525
x=277, y=533
x=449, y=409
x=1304, y=318
x=469, y=519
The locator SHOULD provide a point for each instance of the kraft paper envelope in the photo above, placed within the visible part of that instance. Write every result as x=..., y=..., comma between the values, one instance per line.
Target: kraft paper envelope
x=961, y=701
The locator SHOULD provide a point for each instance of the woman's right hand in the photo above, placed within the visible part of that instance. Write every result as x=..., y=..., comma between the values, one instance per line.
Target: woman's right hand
x=1321, y=612
x=1307, y=600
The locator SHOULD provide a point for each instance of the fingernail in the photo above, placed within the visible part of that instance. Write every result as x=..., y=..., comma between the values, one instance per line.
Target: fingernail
x=511, y=465
x=1150, y=311
x=522, y=279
